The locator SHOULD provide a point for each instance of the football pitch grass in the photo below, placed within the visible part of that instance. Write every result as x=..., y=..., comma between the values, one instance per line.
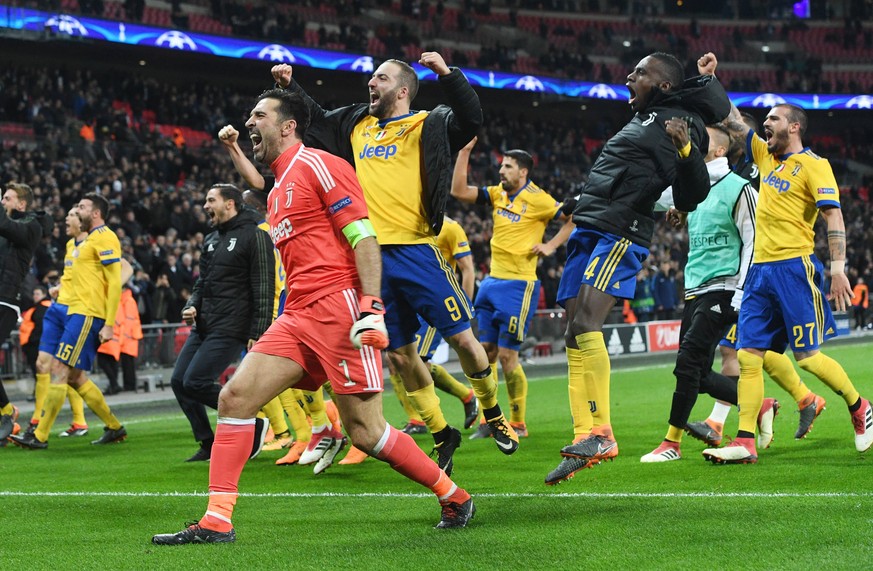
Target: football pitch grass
x=806, y=505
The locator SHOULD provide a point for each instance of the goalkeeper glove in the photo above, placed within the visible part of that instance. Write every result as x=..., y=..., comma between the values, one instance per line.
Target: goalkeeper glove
x=369, y=330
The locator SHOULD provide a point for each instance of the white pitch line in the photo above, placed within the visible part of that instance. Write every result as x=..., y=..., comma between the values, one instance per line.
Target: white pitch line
x=586, y=495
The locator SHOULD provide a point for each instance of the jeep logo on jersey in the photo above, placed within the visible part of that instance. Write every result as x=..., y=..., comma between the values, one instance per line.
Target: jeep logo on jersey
x=280, y=231
x=776, y=182
x=378, y=151
x=232, y=244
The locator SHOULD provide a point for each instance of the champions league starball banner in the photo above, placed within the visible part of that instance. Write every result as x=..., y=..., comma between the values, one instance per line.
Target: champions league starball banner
x=138, y=35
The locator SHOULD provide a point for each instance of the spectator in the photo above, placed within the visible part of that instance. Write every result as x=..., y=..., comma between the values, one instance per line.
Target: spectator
x=664, y=292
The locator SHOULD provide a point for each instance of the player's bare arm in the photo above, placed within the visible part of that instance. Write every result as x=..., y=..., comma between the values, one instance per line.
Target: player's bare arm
x=548, y=248
x=434, y=62
x=460, y=189
x=368, y=260
x=706, y=65
x=282, y=74
x=468, y=275
x=229, y=138
x=841, y=291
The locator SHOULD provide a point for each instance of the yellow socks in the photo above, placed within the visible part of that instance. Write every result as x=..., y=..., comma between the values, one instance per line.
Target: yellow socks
x=579, y=407
x=750, y=389
x=51, y=406
x=274, y=412
x=780, y=369
x=43, y=380
x=832, y=374
x=315, y=406
x=8, y=409
x=77, y=406
x=516, y=386
x=447, y=383
x=674, y=434
x=427, y=403
x=95, y=400
x=485, y=388
x=596, y=370
x=292, y=404
x=400, y=391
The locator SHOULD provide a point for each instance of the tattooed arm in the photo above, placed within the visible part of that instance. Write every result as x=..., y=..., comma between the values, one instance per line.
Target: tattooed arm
x=841, y=291
x=706, y=65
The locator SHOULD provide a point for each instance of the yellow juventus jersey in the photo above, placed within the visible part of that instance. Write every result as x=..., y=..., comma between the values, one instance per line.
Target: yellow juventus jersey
x=793, y=188
x=452, y=242
x=66, y=295
x=280, y=272
x=388, y=161
x=100, y=248
x=520, y=221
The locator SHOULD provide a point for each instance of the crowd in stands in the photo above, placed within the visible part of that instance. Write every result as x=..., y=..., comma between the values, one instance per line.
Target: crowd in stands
x=100, y=131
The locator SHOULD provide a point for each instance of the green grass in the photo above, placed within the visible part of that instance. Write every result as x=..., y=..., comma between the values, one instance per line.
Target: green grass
x=805, y=505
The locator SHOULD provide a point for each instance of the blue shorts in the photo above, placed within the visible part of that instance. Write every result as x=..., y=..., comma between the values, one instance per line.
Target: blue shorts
x=417, y=280
x=730, y=338
x=783, y=304
x=427, y=339
x=505, y=309
x=53, y=327
x=603, y=261
x=79, y=343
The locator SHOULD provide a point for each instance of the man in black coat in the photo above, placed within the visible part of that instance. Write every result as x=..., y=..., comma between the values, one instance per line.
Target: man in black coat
x=661, y=146
x=21, y=230
x=230, y=307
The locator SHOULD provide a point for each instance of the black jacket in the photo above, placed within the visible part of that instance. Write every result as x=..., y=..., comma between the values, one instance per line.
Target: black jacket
x=20, y=234
x=446, y=130
x=235, y=292
x=640, y=161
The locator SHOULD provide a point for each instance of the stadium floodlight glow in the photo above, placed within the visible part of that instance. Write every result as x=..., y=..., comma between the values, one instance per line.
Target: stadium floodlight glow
x=99, y=30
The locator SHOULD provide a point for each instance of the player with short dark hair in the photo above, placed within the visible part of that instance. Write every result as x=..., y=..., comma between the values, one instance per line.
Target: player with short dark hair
x=332, y=326
x=507, y=298
x=783, y=303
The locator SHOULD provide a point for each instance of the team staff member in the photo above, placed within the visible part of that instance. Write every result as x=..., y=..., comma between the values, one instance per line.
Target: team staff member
x=21, y=230
x=783, y=303
x=231, y=306
x=403, y=160
x=506, y=302
x=659, y=147
x=721, y=236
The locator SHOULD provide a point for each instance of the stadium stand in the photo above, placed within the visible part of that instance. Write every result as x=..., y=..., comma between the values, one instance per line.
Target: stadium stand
x=766, y=49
